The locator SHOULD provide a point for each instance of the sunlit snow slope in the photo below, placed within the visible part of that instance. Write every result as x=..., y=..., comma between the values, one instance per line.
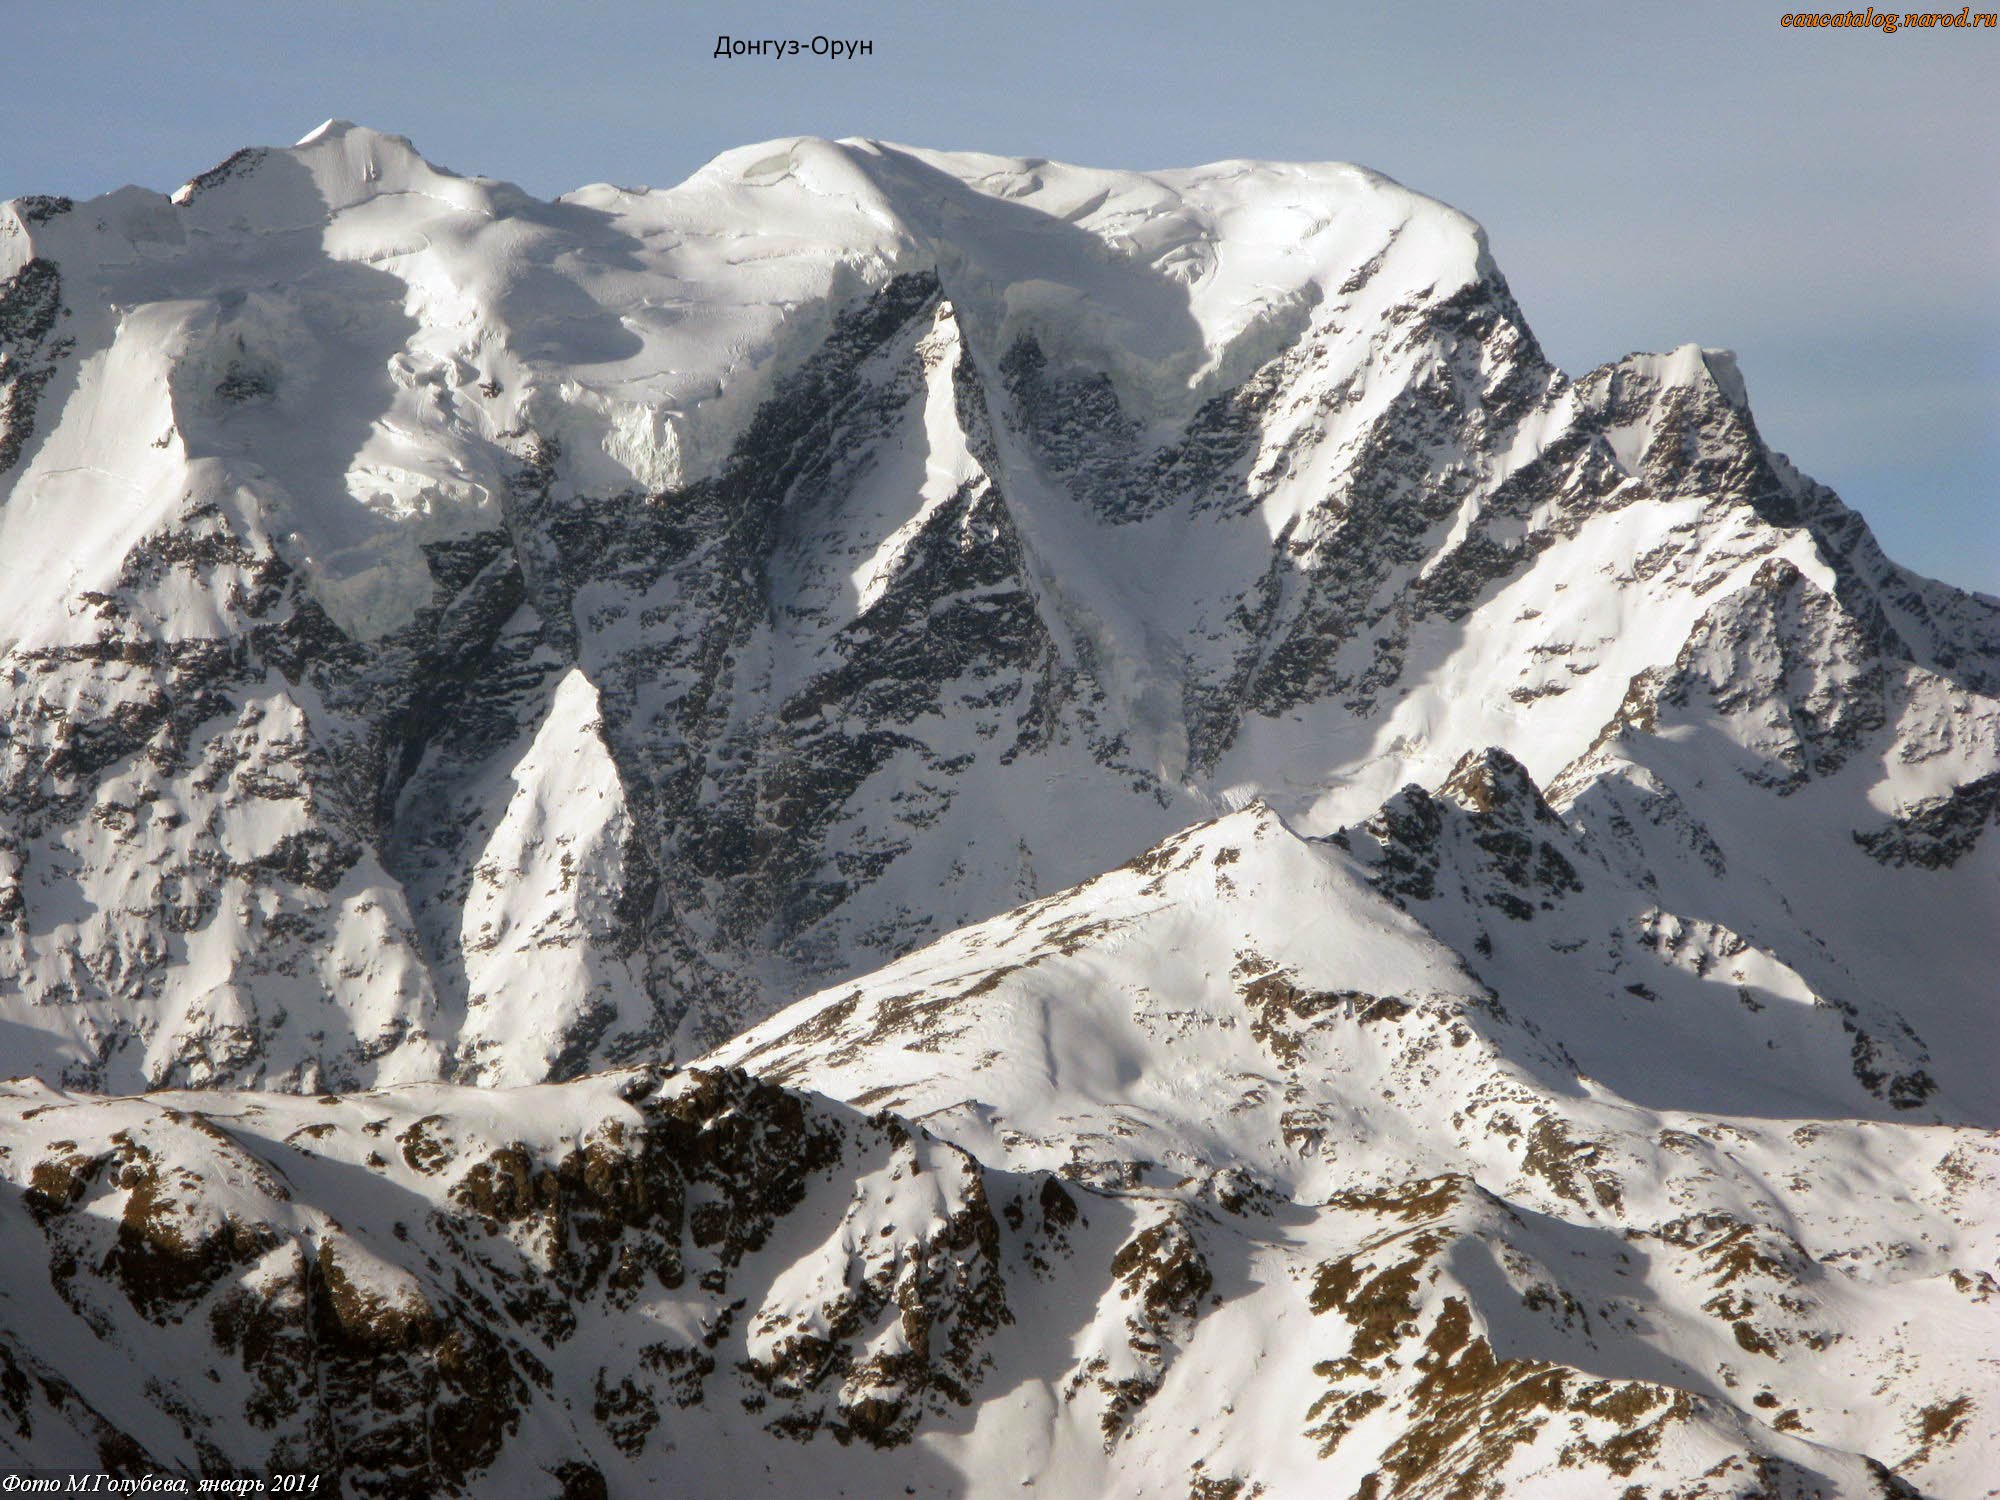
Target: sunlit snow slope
x=1540, y=1040
x=419, y=597
x=1218, y=1175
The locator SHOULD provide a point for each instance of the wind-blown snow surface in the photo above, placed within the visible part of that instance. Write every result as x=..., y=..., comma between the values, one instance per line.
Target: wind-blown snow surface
x=1545, y=1039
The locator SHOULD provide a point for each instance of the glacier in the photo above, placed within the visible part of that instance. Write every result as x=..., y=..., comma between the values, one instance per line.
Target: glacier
x=906, y=820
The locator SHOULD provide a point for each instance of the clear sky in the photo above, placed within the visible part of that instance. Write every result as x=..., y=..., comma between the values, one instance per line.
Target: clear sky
x=1827, y=203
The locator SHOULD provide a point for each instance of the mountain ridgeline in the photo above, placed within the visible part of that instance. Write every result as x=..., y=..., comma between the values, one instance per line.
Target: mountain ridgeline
x=1374, y=918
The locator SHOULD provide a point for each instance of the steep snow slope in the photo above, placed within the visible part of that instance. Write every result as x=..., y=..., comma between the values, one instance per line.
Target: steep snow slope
x=1541, y=1044
x=1219, y=1175
x=427, y=608
x=1617, y=1142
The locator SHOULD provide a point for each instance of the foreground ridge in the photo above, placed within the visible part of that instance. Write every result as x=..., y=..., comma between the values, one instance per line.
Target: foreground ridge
x=640, y=1279
x=462, y=656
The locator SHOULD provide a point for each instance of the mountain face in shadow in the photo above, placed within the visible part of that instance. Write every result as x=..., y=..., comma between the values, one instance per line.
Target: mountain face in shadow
x=1373, y=918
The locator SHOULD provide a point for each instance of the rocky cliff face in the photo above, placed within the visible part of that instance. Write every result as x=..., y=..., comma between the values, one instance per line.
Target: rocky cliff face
x=431, y=608
x=449, y=1328
x=449, y=638
x=1231, y=1178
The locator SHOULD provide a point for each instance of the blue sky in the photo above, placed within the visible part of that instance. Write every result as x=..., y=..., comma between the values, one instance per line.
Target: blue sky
x=1827, y=203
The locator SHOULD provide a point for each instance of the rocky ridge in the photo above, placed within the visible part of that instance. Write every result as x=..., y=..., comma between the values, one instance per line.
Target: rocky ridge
x=449, y=651
x=1539, y=1043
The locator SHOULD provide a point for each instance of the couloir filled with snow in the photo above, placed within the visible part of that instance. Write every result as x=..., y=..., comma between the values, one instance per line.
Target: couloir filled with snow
x=1376, y=918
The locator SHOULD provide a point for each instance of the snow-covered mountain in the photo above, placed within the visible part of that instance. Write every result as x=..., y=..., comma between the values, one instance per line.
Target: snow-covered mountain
x=1541, y=1039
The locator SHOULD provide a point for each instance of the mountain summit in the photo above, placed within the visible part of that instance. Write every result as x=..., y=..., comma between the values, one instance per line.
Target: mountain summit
x=1328, y=860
